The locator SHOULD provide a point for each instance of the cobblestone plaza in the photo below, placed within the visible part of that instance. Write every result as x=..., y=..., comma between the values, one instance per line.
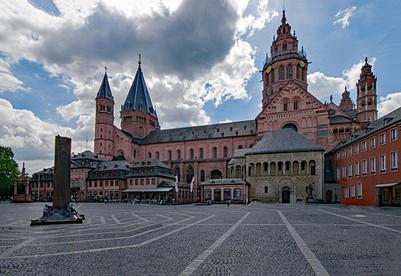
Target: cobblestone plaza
x=257, y=239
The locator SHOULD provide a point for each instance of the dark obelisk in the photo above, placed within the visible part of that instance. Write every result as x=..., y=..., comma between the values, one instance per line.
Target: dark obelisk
x=62, y=163
x=61, y=211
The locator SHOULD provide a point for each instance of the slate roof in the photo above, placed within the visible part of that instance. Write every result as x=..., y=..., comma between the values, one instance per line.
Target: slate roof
x=138, y=98
x=150, y=163
x=340, y=119
x=381, y=123
x=240, y=153
x=284, y=140
x=150, y=167
x=233, y=129
x=86, y=159
x=120, y=165
x=105, y=90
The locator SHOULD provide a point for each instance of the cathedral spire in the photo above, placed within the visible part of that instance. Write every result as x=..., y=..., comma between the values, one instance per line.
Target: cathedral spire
x=138, y=98
x=105, y=90
x=283, y=18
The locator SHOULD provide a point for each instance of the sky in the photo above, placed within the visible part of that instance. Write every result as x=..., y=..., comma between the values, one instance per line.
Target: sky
x=201, y=60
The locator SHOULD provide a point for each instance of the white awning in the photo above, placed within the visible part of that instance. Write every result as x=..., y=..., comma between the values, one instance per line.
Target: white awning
x=387, y=185
x=148, y=190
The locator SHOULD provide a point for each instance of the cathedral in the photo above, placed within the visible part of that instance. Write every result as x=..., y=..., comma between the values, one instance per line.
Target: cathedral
x=279, y=155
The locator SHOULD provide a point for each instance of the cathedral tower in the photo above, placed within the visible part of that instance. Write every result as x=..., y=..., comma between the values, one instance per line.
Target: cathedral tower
x=138, y=116
x=366, y=95
x=104, y=121
x=285, y=63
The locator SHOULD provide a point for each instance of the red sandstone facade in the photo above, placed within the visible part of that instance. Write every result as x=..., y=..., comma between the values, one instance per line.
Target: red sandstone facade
x=203, y=152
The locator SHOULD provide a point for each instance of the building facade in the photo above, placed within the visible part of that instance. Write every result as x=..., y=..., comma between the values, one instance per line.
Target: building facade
x=367, y=163
x=204, y=152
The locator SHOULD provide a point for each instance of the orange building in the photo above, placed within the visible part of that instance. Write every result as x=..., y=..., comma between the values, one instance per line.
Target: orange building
x=367, y=163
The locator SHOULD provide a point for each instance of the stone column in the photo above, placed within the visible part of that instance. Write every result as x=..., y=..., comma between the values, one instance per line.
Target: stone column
x=62, y=160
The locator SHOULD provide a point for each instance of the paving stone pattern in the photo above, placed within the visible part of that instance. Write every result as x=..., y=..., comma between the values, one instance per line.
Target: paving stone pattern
x=257, y=239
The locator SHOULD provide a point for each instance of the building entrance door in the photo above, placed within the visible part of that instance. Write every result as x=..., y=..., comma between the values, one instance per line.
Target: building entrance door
x=217, y=195
x=285, y=195
x=329, y=196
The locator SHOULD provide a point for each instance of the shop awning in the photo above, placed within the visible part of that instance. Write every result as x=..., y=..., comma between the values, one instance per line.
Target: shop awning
x=387, y=185
x=148, y=190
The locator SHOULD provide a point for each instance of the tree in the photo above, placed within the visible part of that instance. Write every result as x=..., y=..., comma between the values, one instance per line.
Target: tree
x=8, y=171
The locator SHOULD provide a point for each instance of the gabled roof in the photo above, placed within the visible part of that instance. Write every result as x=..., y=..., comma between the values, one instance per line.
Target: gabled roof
x=104, y=90
x=138, y=98
x=284, y=140
x=234, y=129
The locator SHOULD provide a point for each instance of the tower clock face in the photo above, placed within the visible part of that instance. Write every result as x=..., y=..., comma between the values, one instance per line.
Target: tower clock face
x=268, y=69
x=332, y=112
x=301, y=63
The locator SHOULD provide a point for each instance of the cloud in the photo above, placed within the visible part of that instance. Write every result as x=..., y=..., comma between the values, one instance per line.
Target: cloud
x=247, y=25
x=344, y=16
x=389, y=103
x=322, y=86
x=23, y=131
x=8, y=82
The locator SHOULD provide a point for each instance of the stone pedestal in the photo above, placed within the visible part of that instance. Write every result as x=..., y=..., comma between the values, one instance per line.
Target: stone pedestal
x=61, y=211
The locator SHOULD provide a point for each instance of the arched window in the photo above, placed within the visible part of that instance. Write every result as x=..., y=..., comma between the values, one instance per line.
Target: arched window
x=289, y=71
x=214, y=152
x=202, y=175
x=178, y=154
x=291, y=126
x=191, y=154
x=296, y=103
x=201, y=153
x=176, y=171
x=312, y=166
x=149, y=155
x=281, y=73
x=285, y=106
x=287, y=165
x=216, y=174
x=190, y=174
x=272, y=168
x=157, y=155
x=280, y=166
x=225, y=152
x=169, y=155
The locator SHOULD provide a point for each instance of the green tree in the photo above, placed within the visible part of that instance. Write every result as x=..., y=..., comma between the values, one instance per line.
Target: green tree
x=8, y=171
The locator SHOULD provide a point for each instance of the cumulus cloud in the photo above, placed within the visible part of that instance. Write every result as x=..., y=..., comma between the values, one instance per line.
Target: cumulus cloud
x=8, y=82
x=22, y=130
x=323, y=86
x=192, y=52
x=344, y=16
x=247, y=25
x=389, y=103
